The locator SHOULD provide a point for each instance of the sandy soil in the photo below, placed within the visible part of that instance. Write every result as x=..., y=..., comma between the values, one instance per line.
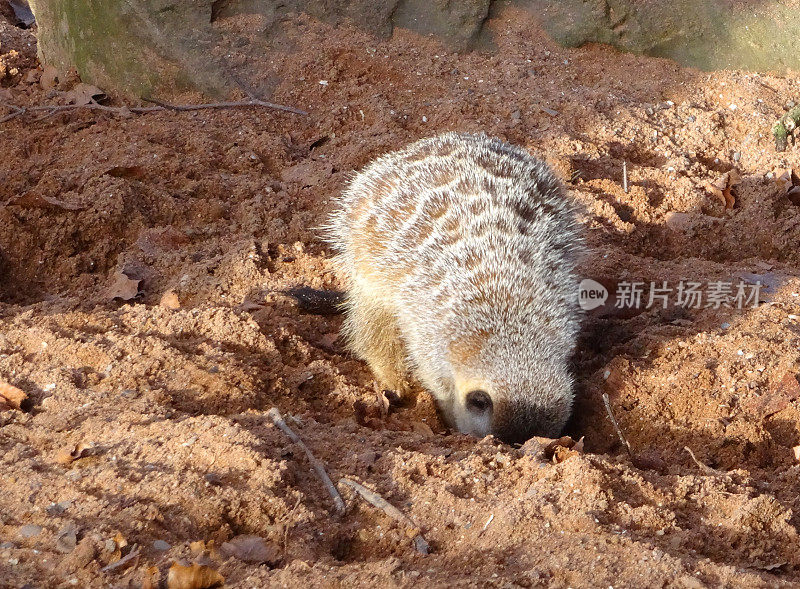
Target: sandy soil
x=217, y=209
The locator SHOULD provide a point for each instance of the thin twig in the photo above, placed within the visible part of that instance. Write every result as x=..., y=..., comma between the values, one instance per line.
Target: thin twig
x=625, y=176
x=235, y=104
x=122, y=562
x=52, y=109
x=486, y=525
x=613, y=419
x=242, y=86
x=703, y=467
x=374, y=499
x=288, y=526
x=18, y=110
x=277, y=419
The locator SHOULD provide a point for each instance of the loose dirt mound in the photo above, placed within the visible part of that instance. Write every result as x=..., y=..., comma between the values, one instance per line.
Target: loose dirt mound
x=208, y=215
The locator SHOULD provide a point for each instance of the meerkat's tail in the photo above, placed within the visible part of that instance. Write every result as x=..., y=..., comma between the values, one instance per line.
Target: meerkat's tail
x=316, y=301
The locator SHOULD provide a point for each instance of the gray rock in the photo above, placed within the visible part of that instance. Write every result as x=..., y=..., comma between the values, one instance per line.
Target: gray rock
x=161, y=545
x=30, y=530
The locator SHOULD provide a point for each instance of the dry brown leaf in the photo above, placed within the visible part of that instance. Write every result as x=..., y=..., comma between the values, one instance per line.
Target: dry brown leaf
x=776, y=399
x=788, y=180
x=69, y=455
x=11, y=397
x=126, y=171
x=561, y=449
x=34, y=200
x=193, y=577
x=679, y=221
x=252, y=549
x=170, y=300
x=84, y=93
x=422, y=428
x=123, y=287
x=156, y=240
x=49, y=78
x=250, y=306
x=721, y=187
x=67, y=539
x=198, y=546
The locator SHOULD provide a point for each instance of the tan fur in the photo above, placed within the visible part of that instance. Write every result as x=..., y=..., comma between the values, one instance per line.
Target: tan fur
x=459, y=254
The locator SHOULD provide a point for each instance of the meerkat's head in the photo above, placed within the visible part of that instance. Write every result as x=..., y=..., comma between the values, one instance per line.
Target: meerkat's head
x=538, y=405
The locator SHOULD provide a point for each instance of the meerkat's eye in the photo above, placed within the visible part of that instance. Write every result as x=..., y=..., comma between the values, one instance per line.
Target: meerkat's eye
x=478, y=401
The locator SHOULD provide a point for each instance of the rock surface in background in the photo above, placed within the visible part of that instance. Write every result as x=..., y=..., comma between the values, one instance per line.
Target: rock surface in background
x=159, y=47
x=757, y=35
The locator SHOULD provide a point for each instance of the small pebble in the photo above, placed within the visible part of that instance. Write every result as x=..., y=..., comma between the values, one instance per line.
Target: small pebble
x=212, y=478
x=5, y=545
x=161, y=545
x=30, y=530
x=737, y=156
x=725, y=325
x=58, y=508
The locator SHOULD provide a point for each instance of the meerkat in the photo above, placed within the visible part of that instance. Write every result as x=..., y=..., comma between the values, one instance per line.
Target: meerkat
x=458, y=255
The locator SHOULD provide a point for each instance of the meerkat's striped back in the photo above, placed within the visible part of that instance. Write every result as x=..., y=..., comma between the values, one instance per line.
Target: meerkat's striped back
x=465, y=247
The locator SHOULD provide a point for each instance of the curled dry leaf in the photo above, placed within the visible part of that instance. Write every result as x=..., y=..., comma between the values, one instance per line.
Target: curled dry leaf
x=124, y=287
x=193, y=577
x=252, y=549
x=563, y=448
x=67, y=539
x=11, y=397
x=721, y=187
x=69, y=455
x=788, y=179
x=84, y=93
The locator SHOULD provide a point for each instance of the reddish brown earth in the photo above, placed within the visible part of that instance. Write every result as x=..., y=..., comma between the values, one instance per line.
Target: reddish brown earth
x=220, y=208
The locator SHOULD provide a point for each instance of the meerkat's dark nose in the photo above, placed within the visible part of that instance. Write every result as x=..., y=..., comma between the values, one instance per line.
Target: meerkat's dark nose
x=478, y=402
